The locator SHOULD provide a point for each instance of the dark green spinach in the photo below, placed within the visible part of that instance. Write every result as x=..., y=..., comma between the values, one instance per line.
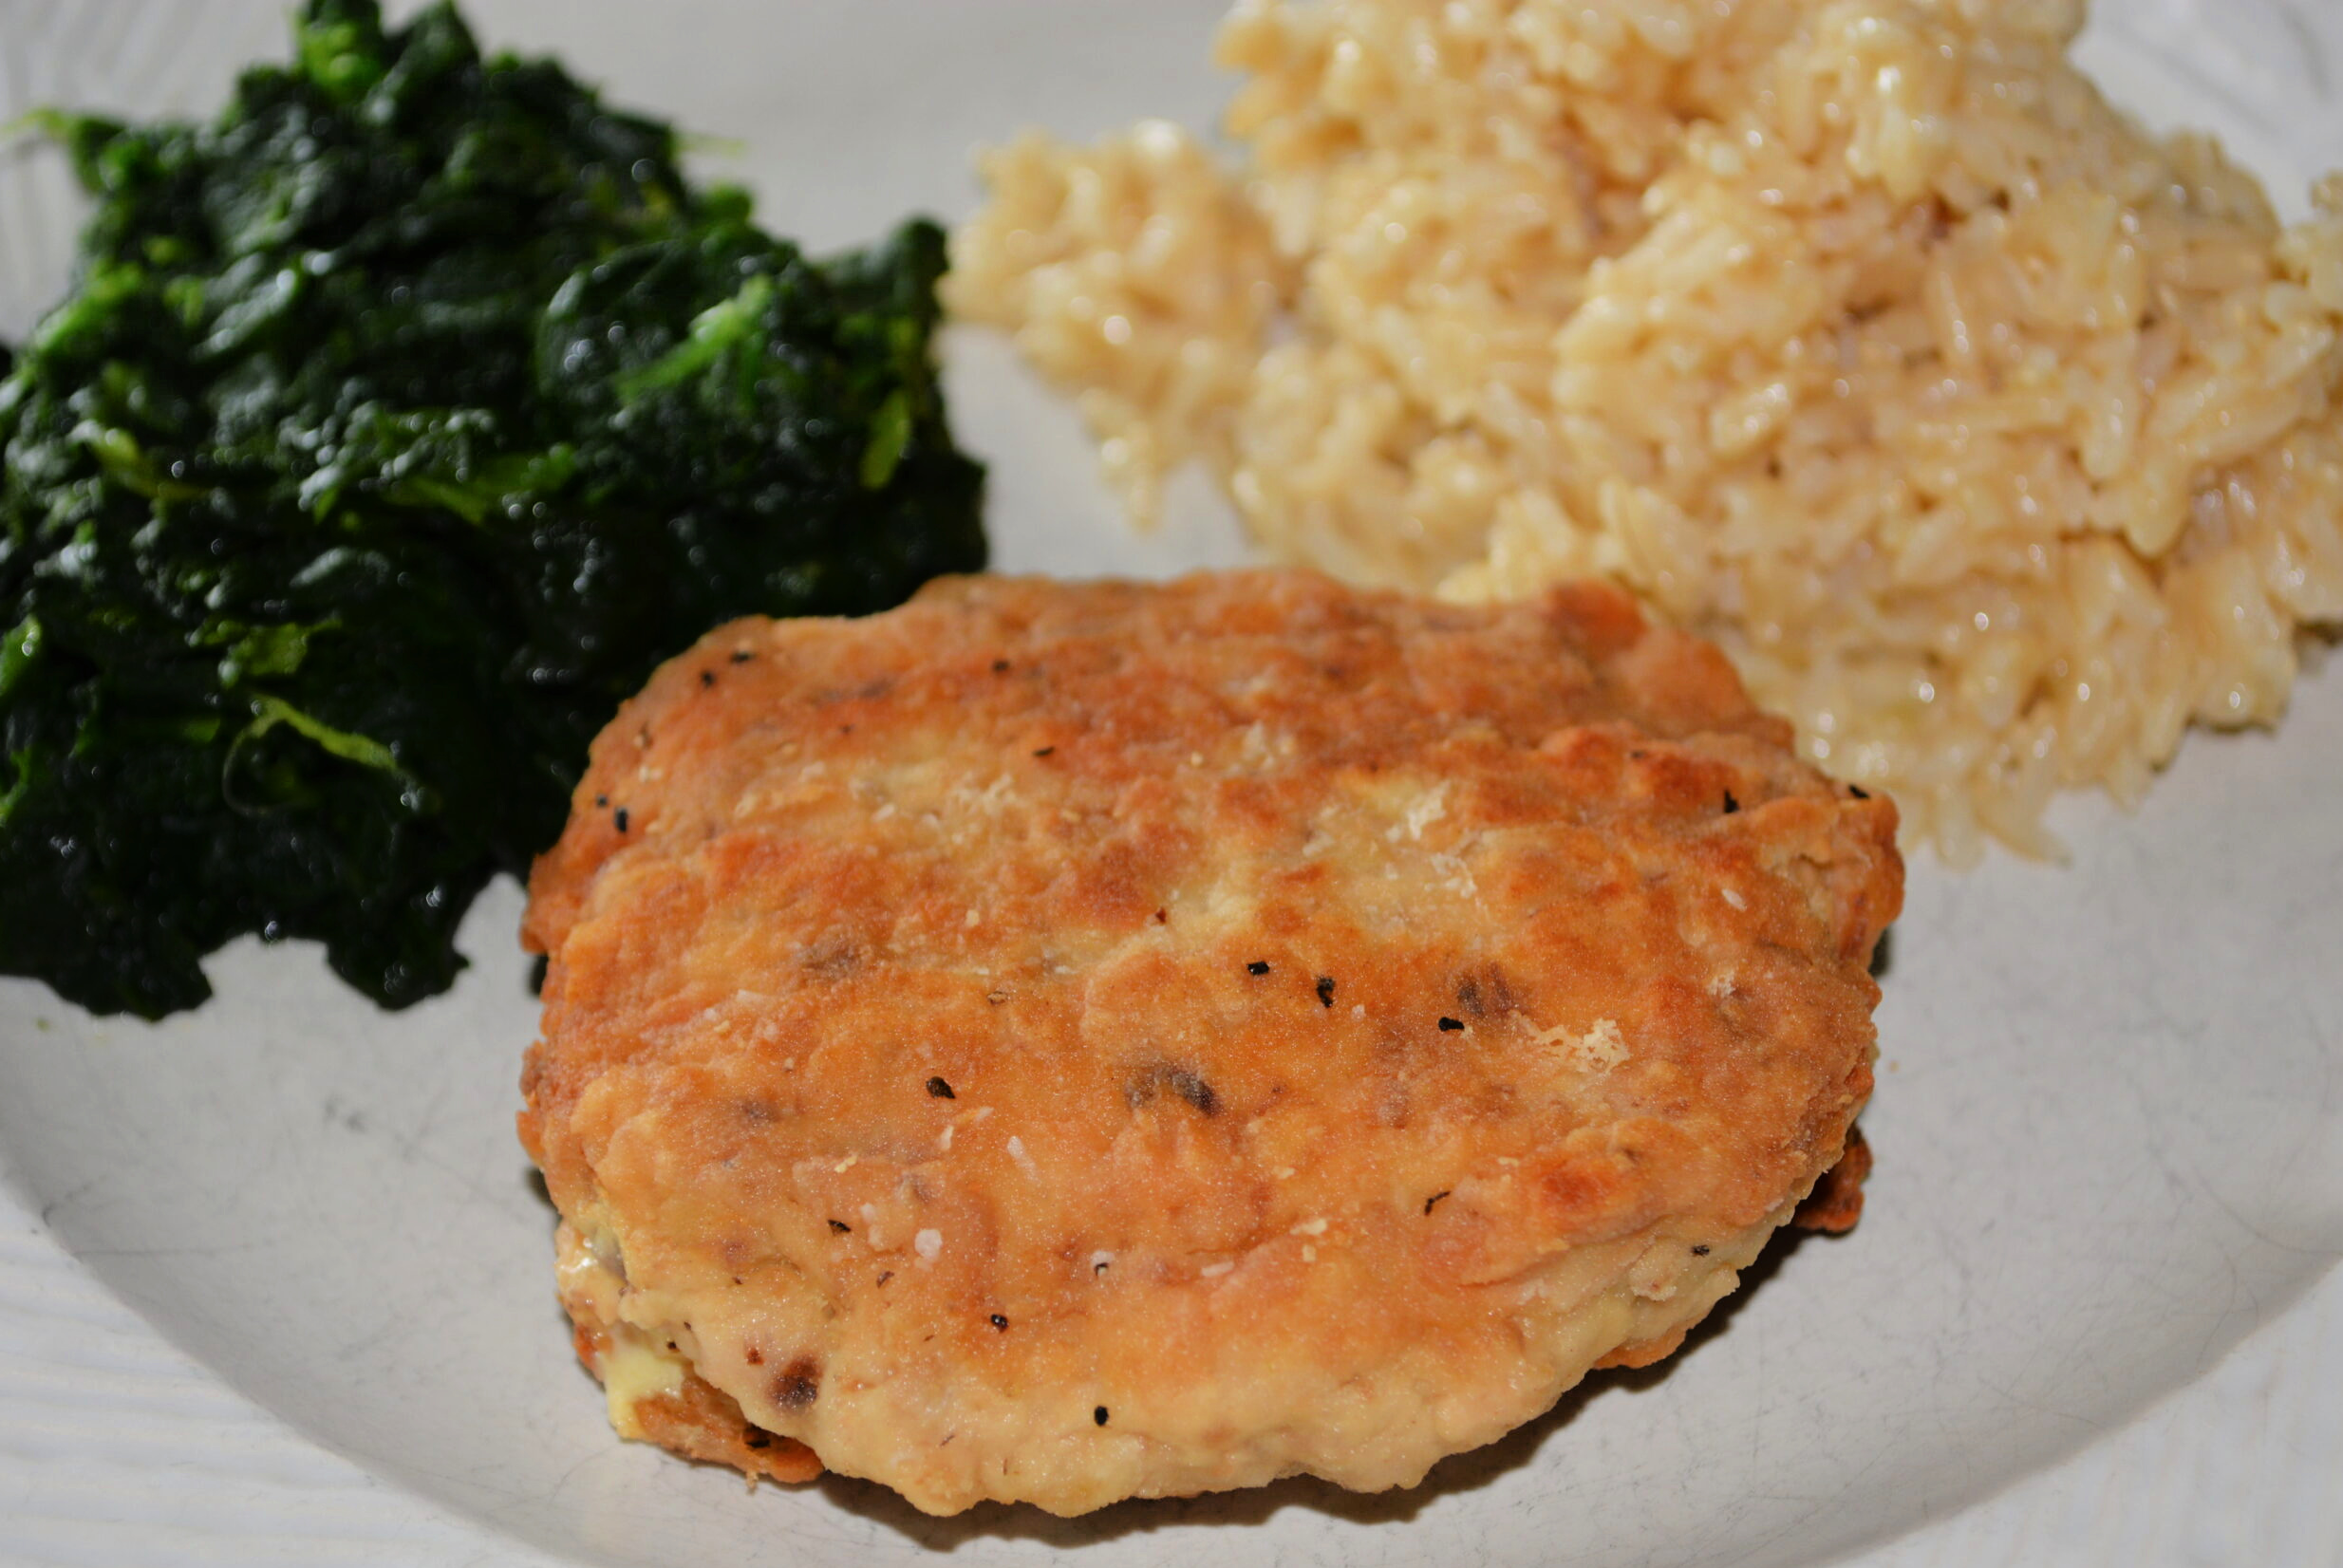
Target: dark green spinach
x=399, y=421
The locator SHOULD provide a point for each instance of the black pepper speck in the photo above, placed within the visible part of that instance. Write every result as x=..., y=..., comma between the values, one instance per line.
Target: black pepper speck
x=1449, y=1026
x=941, y=1089
x=1256, y=967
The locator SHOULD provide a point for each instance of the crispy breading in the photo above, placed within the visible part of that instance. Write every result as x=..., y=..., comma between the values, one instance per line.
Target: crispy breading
x=1068, y=1041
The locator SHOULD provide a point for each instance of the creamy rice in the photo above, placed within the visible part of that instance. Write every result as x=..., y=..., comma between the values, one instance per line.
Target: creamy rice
x=1994, y=441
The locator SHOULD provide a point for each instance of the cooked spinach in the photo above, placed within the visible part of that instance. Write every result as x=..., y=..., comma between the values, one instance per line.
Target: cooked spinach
x=399, y=421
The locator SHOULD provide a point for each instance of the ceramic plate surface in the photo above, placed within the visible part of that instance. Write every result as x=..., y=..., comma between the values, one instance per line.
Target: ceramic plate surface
x=2110, y=1114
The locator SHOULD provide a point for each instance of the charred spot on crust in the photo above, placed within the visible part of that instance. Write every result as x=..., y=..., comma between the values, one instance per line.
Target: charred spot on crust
x=1325, y=990
x=1099, y=1415
x=832, y=958
x=799, y=1383
x=1433, y=1199
x=1501, y=995
x=618, y=819
x=1730, y=805
x=1179, y=1080
x=1194, y=1089
x=1259, y=966
x=1449, y=1026
x=938, y=1089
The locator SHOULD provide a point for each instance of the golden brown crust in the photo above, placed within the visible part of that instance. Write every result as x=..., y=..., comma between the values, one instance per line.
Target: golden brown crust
x=1359, y=1015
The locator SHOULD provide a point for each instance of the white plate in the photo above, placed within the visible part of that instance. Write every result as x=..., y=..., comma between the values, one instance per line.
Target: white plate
x=2110, y=1116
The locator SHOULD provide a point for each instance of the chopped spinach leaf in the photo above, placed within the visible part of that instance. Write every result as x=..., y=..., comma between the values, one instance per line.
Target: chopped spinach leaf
x=399, y=420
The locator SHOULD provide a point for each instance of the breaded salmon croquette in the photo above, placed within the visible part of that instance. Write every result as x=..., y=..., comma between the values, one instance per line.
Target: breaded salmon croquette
x=1064, y=1042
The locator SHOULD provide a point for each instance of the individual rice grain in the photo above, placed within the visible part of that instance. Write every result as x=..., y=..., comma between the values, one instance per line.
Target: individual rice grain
x=1995, y=440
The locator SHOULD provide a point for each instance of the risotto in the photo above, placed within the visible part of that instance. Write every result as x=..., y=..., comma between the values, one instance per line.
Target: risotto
x=1994, y=440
